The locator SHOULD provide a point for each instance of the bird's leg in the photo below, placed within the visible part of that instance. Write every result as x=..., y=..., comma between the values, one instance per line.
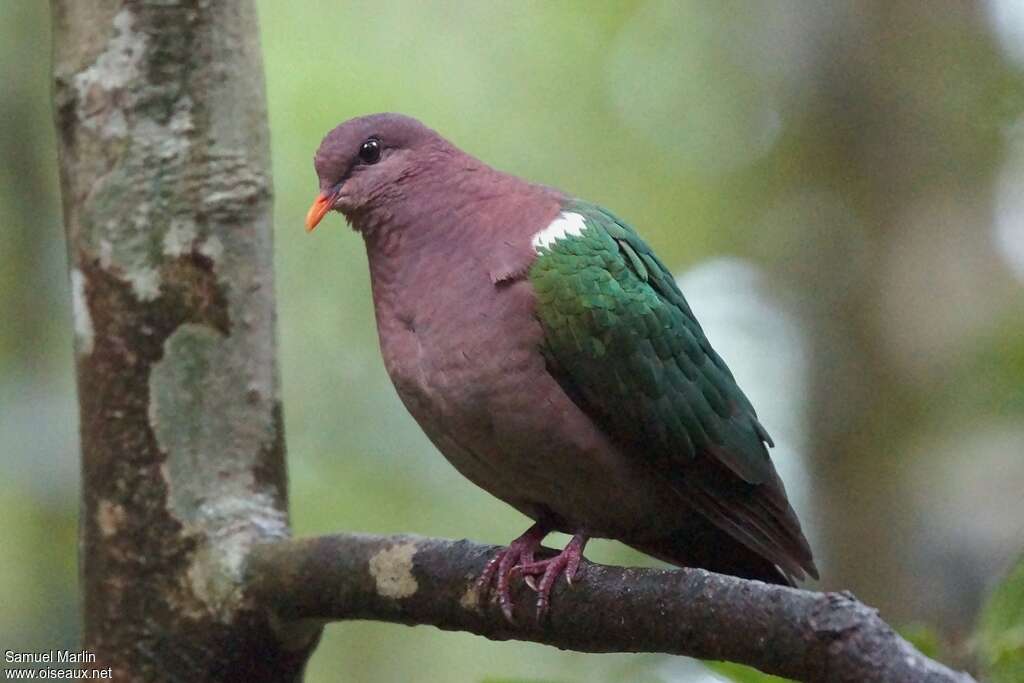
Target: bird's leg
x=566, y=562
x=519, y=551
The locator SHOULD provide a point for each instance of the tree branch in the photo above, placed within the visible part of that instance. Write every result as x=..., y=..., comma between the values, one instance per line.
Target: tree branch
x=826, y=637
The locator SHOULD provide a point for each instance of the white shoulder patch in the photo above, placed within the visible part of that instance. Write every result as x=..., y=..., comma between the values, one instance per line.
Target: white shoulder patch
x=568, y=224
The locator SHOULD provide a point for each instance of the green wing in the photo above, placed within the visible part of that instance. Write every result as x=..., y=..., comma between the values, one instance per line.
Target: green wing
x=618, y=326
x=622, y=340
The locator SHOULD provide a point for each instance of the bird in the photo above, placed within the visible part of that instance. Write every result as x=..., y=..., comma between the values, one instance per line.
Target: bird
x=550, y=356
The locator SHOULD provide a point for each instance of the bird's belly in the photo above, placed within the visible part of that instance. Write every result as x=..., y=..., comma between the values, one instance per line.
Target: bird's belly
x=499, y=417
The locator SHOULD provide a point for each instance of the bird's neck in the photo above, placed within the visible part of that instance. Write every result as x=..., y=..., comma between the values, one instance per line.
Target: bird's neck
x=451, y=205
x=454, y=218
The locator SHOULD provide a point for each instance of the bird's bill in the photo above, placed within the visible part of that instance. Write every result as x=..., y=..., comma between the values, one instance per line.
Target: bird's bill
x=320, y=207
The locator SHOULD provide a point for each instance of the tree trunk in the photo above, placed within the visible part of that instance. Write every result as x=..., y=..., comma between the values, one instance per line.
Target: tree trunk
x=164, y=161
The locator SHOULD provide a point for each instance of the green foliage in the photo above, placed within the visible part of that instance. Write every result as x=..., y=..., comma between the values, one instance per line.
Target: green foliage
x=1000, y=636
x=924, y=637
x=743, y=674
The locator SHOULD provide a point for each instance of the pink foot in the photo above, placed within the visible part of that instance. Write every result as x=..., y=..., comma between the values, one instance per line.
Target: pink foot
x=519, y=551
x=566, y=562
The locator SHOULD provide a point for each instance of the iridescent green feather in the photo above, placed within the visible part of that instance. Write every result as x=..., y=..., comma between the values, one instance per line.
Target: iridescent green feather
x=622, y=337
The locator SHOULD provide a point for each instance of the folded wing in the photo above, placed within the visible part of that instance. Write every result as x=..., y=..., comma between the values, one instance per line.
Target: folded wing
x=623, y=342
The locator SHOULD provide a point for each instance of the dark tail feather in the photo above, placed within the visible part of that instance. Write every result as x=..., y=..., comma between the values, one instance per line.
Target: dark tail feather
x=756, y=518
x=702, y=544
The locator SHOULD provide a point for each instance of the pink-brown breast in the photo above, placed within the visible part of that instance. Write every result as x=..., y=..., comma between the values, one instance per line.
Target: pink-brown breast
x=463, y=348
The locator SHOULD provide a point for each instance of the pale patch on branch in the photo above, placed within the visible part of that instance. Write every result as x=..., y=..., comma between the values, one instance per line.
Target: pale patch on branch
x=471, y=598
x=391, y=569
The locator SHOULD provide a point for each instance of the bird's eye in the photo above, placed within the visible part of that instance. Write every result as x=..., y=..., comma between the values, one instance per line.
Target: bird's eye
x=369, y=153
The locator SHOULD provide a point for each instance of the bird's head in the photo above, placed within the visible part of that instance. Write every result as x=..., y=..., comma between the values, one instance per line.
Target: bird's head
x=363, y=162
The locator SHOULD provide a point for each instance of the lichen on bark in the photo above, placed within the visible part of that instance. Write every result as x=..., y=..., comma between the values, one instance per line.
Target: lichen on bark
x=165, y=178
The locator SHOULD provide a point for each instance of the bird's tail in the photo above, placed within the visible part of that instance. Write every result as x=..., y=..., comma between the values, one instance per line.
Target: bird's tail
x=702, y=544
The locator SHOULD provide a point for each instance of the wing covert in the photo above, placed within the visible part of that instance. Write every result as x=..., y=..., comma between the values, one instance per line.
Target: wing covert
x=620, y=331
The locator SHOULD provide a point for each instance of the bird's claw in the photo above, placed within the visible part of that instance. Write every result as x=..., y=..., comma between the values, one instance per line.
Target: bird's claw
x=566, y=562
x=500, y=568
x=518, y=559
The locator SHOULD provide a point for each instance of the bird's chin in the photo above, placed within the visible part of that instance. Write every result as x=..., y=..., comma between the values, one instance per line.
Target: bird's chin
x=343, y=206
x=362, y=216
x=357, y=220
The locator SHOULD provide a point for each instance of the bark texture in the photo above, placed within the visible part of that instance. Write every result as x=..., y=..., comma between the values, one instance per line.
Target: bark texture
x=808, y=636
x=164, y=160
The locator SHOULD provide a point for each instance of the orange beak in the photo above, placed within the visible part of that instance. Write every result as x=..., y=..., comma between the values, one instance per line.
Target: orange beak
x=320, y=207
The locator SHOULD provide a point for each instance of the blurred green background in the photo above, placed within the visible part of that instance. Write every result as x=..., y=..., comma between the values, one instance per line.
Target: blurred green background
x=840, y=188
